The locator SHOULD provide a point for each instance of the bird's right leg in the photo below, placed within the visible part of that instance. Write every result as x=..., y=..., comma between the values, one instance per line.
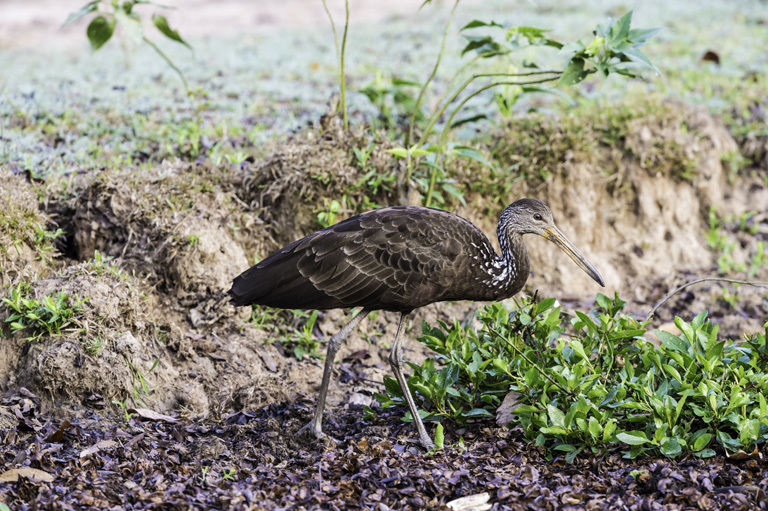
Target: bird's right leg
x=396, y=362
x=316, y=425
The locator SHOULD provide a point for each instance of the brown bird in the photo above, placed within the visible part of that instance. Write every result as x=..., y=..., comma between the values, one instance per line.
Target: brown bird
x=399, y=259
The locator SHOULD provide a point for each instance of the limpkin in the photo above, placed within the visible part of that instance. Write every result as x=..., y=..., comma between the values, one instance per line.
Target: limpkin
x=399, y=259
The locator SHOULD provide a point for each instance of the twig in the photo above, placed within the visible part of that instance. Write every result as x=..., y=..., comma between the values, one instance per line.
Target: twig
x=342, y=76
x=429, y=79
x=697, y=281
x=539, y=369
x=168, y=61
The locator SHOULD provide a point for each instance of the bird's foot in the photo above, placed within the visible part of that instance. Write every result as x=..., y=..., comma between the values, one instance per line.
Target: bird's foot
x=316, y=431
x=428, y=444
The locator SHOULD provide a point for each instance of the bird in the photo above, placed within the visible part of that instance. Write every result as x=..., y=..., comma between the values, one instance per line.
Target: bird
x=398, y=259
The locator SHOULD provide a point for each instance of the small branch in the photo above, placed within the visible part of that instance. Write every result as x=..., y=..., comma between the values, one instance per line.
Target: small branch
x=539, y=369
x=342, y=76
x=483, y=89
x=698, y=281
x=168, y=61
x=431, y=76
x=333, y=27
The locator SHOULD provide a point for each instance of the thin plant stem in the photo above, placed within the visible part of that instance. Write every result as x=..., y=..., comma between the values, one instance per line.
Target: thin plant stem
x=446, y=128
x=539, y=369
x=483, y=89
x=333, y=27
x=342, y=103
x=698, y=281
x=168, y=61
x=431, y=76
x=342, y=76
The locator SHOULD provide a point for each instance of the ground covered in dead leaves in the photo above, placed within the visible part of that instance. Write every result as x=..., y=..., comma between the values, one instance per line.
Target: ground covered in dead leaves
x=257, y=460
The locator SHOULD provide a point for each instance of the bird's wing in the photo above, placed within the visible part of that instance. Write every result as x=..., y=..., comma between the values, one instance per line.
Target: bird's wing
x=388, y=254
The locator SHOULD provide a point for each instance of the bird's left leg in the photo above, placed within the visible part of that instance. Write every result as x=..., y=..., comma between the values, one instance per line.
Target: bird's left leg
x=316, y=425
x=396, y=362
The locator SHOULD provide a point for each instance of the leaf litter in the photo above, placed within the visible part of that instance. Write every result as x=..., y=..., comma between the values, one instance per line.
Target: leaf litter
x=258, y=460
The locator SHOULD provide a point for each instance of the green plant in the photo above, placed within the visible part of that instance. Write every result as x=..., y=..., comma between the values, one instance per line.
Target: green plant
x=603, y=387
x=327, y=216
x=340, y=55
x=112, y=13
x=46, y=316
x=123, y=405
x=615, y=49
x=193, y=240
x=305, y=344
x=92, y=346
x=722, y=244
x=138, y=380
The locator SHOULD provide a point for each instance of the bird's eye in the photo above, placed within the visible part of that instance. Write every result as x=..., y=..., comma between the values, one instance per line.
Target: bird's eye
x=537, y=216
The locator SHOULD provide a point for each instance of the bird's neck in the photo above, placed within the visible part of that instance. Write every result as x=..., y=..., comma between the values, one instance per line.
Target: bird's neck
x=513, y=265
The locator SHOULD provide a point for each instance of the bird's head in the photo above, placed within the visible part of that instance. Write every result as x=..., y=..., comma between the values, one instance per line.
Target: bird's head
x=532, y=216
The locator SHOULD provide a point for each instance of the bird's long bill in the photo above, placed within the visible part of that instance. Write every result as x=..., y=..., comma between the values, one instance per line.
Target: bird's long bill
x=554, y=235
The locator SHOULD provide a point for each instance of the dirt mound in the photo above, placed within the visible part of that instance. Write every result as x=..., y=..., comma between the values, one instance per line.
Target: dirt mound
x=95, y=354
x=122, y=345
x=170, y=223
x=303, y=177
x=26, y=243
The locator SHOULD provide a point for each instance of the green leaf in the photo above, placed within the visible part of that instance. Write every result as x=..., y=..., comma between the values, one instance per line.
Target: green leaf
x=702, y=441
x=556, y=416
x=640, y=35
x=686, y=329
x=479, y=23
x=749, y=431
x=479, y=412
x=473, y=118
x=439, y=436
x=670, y=447
x=526, y=409
x=579, y=349
x=574, y=72
x=673, y=342
x=595, y=429
x=399, y=152
x=633, y=437
x=706, y=453
x=620, y=29
x=636, y=55
x=162, y=25
x=393, y=388
x=423, y=390
x=86, y=9
x=99, y=31
x=482, y=45
x=554, y=430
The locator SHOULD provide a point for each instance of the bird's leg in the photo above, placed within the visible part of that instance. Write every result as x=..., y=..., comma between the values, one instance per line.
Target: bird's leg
x=396, y=362
x=316, y=425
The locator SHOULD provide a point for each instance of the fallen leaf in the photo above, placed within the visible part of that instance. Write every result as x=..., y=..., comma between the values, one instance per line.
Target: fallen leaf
x=477, y=502
x=98, y=446
x=58, y=435
x=744, y=456
x=268, y=361
x=505, y=412
x=33, y=474
x=152, y=415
